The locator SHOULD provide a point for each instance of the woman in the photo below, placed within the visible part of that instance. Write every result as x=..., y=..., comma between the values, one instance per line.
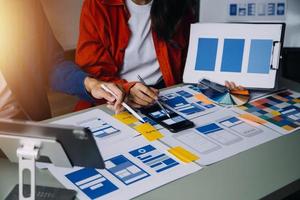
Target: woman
x=121, y=39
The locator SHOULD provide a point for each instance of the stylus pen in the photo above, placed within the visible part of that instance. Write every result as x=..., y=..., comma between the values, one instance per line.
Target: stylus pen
x=159, y=104
x=127, y=107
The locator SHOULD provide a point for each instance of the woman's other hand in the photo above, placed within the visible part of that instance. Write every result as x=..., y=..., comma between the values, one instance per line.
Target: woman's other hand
x=141, y=95
x=232, y=86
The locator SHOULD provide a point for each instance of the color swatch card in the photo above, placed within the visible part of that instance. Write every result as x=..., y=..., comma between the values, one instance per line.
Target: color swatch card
x=220, y=94
x=220, y=135
x=106, y=129
x=280, y=110
x=186, y=103
x=247, y=54
x=132, y=169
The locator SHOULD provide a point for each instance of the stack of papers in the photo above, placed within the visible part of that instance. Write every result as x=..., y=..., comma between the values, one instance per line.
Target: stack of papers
x=140, y=157
x=133, y=168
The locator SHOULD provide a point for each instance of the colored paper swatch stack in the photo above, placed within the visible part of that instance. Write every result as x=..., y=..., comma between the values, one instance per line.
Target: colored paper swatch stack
x=222, y=95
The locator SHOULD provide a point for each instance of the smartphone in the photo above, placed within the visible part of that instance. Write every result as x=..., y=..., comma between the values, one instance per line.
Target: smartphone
x=174, y=124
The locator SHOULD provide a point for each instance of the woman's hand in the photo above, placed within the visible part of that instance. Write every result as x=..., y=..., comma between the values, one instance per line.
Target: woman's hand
x=93, y=86
x=141, y=95
x=232, y=86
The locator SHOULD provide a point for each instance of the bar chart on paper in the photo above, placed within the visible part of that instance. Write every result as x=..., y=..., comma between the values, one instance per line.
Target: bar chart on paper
x=236, y=52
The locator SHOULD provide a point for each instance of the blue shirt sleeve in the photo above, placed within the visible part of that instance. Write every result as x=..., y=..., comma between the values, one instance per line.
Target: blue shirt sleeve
x=67, y=77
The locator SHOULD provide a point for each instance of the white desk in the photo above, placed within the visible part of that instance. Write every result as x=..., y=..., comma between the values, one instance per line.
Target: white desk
x=252, y=174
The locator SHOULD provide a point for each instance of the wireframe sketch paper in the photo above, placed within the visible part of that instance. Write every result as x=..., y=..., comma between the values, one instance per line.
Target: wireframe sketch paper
x=220, y=135
x=106, y=129
x=132, y=169
x=247, y=54
x=186, y=103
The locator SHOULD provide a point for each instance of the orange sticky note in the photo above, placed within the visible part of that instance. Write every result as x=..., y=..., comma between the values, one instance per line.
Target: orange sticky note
x=203, y=98
x=183, y=154
x=297, y=100
x=252, y=118
x=126, y=118
x=148, y=131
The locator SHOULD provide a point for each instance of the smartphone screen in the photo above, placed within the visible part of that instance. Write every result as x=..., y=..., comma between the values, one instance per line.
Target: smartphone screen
x=175, y=123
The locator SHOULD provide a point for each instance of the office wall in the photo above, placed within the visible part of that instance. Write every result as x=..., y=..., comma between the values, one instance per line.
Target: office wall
x=216, y=11
x=213, y=10
x=64, y=16
x=292, y=38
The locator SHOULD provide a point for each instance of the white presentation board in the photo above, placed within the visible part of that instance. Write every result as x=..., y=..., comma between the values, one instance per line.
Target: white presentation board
x=247, y=54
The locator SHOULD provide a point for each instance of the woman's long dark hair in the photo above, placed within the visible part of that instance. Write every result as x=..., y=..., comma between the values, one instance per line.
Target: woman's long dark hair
x=166, y=14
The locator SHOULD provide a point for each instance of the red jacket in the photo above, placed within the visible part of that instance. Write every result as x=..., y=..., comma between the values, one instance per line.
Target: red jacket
x=104, y=36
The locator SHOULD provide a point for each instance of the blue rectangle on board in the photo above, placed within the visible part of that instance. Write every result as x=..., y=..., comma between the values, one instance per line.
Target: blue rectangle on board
x=206, y=54
x=233, y=52
x=91, y=182
x=260, y=56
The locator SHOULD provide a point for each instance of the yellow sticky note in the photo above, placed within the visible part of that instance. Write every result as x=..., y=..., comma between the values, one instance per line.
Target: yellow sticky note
x=126, y=118
x=183, y=154
x=203, y=98
x=288, y=128
x=252, y=118
x=148, y=131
